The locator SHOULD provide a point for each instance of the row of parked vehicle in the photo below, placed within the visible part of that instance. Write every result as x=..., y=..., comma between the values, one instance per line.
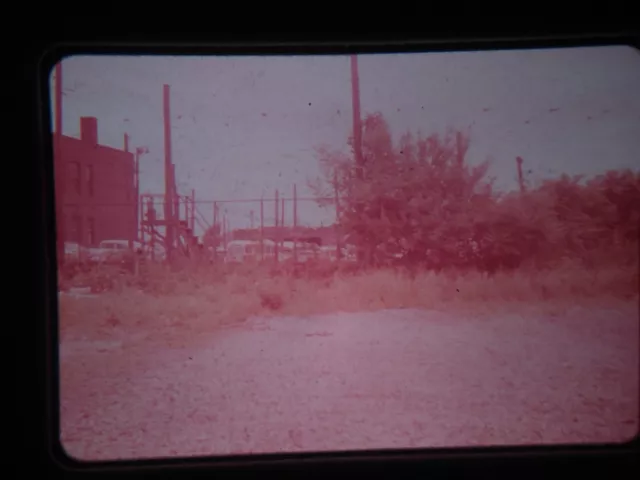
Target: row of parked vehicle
x=111, y=251
x=237, y=251
x=242, y=251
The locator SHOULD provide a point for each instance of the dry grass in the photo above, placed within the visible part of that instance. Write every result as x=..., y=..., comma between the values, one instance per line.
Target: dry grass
x=176, y=308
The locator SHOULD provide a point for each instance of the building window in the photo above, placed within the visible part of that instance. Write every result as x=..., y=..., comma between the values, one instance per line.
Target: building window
x=90, y=180
x=91, y=231
x=75, y=177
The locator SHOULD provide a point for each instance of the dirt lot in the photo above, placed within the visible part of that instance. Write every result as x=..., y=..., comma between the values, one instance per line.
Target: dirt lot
x=389, y=379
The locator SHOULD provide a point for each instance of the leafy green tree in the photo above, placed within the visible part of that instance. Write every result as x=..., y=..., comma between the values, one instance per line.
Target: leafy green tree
x=422, y=201
x=417, y=198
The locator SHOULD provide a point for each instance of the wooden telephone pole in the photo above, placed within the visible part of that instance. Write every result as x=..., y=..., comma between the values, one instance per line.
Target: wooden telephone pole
x=277, y=231
x=357, y=125
x=357, y=133
x=216, y=231
x=295, y=224
x=193, y=211
x=520, y=177
x=262, y=229
x=168, y=177
x=282, y=234
x=337, y=224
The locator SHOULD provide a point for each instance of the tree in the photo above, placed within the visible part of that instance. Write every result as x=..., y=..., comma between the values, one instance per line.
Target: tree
x=416, y=199
x=421, y=199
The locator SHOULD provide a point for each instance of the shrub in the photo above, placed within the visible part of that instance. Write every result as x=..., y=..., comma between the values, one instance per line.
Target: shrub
x=422, y=200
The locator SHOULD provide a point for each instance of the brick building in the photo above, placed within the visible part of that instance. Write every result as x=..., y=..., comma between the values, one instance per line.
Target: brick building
x=97, y=191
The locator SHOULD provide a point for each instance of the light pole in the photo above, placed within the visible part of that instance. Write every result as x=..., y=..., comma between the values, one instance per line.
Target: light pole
x=357, y=137
x=139, y=152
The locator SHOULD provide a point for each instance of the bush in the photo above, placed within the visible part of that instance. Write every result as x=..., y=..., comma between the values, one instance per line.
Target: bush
x=422, y=200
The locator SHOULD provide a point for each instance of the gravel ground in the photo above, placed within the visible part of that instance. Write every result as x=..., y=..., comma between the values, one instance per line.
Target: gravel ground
x=389, y=379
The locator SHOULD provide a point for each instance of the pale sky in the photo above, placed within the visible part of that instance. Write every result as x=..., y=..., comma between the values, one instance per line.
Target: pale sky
x=244, y=126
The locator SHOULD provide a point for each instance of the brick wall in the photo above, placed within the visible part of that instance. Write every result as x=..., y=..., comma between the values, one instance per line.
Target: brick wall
x=98, y=189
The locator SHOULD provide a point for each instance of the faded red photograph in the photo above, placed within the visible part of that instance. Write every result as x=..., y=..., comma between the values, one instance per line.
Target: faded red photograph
x=267, y=254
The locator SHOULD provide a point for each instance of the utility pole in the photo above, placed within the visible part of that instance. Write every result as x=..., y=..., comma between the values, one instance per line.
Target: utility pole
x=176, y=199
x=133, y=235
x=357, y=126
x=138, y=209
x=187, y=214
x=59, y=167
x=295, y=224
x=262, y=229
x=337, y=224
x=520, y=178
x=224, y=231
x=357, y=135
x=139, y=152
x=276, y=227
x=133, y=222
x=168, y=190
x=282, y=235
x=151, y=209
x=193, y=211
x=141, y=221
x=251, y=218
x=216, y=231
x=175, y=219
